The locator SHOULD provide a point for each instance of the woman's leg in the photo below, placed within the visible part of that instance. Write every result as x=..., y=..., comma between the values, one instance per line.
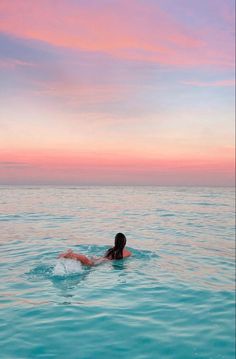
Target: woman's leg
x=79, y=257
x=63, y=255
x=83, y=259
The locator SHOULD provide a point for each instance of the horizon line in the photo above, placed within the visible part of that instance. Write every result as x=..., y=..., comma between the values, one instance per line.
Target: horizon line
x=112, y=185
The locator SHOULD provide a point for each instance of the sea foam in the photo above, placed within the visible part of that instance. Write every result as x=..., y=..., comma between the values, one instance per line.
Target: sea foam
x=66, y=267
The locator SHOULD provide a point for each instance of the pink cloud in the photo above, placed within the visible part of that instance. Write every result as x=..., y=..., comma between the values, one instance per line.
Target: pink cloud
x=222, y=83
x=75, y=93
x=219, y=159
x=65, y=166
x=96, y=171
x=13, y=63
x=127, y=30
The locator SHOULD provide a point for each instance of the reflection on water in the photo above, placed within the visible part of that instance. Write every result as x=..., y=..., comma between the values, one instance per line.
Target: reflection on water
x=68, y=283
x=119, y=265
x=174, y=295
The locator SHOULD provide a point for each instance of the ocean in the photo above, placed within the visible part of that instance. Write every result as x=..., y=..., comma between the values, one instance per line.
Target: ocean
x=174, y=298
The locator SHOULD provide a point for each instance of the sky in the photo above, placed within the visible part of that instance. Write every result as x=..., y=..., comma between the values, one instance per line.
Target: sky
x=117, y=92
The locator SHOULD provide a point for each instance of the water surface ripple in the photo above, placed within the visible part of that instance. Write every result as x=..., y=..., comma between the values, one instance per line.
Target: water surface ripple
x=173, y=299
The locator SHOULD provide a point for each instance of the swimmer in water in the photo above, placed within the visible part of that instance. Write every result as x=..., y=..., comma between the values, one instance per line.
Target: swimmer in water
x=116, y=252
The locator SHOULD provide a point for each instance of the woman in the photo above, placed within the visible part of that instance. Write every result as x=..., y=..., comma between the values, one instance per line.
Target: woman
x=116, y=252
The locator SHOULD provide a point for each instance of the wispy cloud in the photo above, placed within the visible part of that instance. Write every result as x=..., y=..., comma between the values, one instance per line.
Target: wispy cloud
x=13, y=63
x=222, y=83
x=129, y=30
x=14, y=164
x=126, y=170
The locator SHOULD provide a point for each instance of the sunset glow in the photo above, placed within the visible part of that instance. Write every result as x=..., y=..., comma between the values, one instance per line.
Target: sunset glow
x=117, y=92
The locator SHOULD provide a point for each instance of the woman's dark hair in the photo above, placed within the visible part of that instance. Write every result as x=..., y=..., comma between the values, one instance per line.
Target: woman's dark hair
x=116, y=252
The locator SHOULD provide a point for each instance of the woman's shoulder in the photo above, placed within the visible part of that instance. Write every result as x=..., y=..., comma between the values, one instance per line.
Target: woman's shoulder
x=126, y=253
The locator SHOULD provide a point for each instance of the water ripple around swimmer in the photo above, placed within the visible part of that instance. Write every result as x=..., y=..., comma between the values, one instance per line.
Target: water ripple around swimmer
x=173, y=298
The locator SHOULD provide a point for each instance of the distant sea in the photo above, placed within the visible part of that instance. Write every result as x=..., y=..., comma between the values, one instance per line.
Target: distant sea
x=174, y=298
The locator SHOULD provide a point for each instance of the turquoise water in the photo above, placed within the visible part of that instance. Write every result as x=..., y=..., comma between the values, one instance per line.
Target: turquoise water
x=173, y=299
